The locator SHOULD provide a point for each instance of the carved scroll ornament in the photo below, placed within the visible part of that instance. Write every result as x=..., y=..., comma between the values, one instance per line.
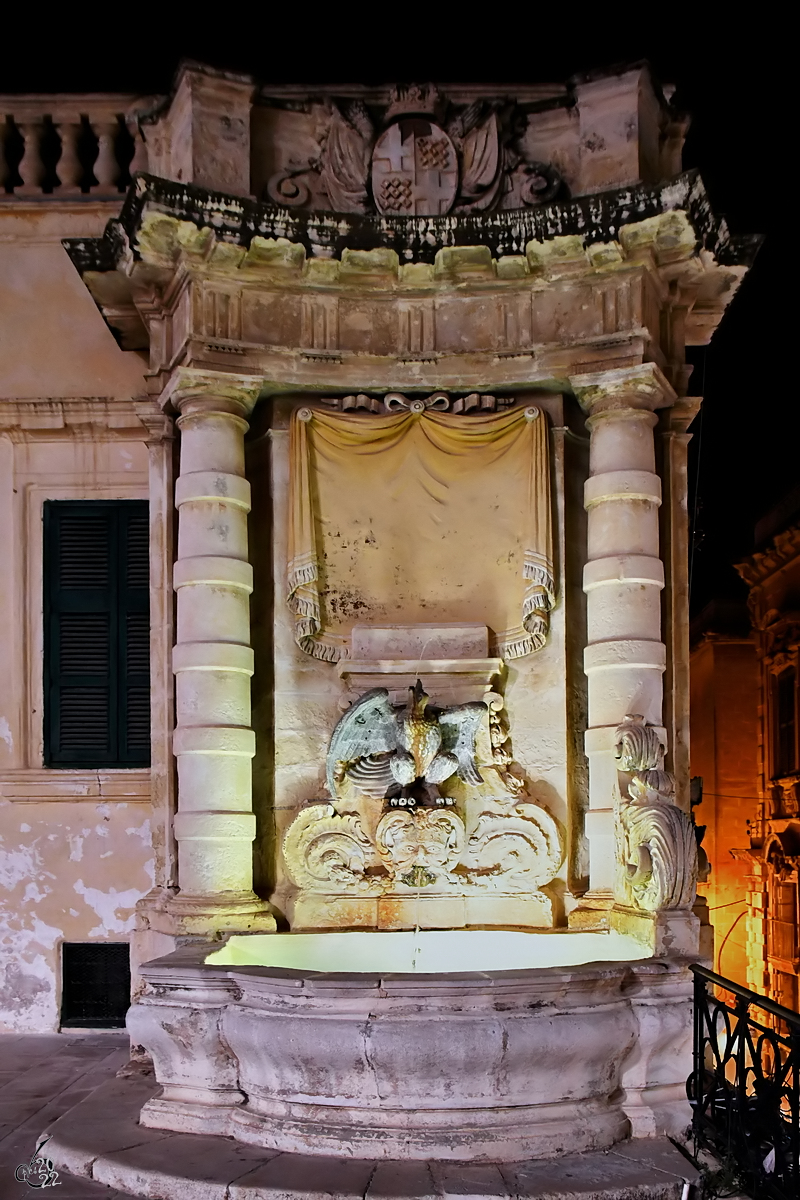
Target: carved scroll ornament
x=326, y=851
x=656, y=841
x=517, y=849
x=422, y=841
x=475, y=402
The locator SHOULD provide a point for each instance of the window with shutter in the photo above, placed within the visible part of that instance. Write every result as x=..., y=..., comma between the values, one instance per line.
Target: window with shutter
x=97, y=633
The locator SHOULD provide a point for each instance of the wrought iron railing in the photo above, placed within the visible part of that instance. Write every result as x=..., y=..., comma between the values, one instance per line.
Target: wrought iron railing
x=745, y=1086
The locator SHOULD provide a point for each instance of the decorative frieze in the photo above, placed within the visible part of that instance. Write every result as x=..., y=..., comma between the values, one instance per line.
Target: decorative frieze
x=437, y=402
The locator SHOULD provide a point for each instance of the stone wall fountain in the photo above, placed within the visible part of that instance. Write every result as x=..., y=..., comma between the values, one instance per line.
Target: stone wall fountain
x=462, y=590
x=479, y=1045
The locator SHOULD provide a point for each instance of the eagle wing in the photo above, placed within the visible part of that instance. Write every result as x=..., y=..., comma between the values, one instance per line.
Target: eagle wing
x=366, y=730
x=459, y=727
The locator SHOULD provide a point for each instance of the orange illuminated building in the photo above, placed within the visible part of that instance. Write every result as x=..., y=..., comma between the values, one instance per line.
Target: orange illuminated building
x=745, y=746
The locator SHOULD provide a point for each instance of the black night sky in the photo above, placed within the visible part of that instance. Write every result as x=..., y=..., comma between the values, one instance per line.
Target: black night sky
x=735, y=81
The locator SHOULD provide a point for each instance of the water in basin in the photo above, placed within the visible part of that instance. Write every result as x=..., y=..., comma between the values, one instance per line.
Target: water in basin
x=427, y=952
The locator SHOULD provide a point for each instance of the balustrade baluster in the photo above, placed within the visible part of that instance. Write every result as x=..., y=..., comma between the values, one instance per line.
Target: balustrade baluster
x=31, y=167
x=106, y=168
x=139, y=160
x=3, y=159
x=68, y=167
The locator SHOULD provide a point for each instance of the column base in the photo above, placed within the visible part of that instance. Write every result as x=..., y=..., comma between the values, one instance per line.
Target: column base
x=675, y=932
x=223, y=912
x=593, y=911
x=167, y=920
x=170, y=913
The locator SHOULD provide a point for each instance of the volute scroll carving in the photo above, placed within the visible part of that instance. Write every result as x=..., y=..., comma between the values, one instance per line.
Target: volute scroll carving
x=656, y=841
x=326, y=850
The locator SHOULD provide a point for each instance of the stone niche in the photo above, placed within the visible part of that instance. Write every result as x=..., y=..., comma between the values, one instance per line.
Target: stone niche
x=488, y=852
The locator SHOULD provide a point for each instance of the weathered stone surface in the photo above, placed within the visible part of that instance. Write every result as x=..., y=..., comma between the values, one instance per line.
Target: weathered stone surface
x=350, y=1056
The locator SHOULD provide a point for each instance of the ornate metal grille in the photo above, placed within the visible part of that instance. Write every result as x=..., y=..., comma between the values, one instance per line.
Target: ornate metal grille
x=745, y=1086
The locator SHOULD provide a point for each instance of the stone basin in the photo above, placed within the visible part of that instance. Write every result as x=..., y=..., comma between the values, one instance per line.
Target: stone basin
x=470, y=1045
x=426, y=952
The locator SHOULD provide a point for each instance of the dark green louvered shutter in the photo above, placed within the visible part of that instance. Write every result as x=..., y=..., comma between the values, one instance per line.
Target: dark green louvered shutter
x=97, y=633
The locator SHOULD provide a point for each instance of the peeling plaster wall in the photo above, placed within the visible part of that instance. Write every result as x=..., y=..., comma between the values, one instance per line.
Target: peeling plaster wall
x=68, y=872
x=72, y=864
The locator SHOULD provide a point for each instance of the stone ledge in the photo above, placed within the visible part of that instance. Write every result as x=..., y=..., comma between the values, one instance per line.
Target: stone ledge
x=101, y=1138
x=38, y=785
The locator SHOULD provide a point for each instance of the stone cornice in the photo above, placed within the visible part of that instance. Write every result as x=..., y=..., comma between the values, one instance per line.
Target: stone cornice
x=504, y=301
x=784, y=549
x=98, y=418
x=594, y=218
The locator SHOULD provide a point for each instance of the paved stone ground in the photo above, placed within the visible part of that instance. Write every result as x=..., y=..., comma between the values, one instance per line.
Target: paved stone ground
x=42, y=1077
x=67, y=1083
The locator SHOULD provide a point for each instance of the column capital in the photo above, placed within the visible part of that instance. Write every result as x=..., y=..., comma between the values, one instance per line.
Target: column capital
x=642, y=387
x=681, y=416
x=220, y=391
x=160, y=425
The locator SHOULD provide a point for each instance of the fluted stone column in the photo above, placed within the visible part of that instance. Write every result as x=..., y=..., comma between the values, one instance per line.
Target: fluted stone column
x=213, y=662
x=623, y=577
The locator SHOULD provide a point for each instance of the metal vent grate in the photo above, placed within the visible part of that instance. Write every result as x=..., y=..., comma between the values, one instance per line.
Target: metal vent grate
x=95, y=984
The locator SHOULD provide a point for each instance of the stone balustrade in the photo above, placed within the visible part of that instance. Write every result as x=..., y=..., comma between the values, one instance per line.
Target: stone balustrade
x=70, y=145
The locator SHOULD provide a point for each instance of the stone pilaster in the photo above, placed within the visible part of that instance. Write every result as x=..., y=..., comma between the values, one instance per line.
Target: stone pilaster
x=625, y=657
x=213, y=662
x=160, y=446
x=675, y=537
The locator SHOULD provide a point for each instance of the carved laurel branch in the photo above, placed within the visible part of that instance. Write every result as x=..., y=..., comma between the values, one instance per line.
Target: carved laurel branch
x=437, y=402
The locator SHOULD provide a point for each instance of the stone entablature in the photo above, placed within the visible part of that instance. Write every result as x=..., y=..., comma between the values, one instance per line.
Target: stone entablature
x=655, y=271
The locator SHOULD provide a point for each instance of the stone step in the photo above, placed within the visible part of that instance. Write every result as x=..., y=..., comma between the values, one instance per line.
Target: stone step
x=100, y=1138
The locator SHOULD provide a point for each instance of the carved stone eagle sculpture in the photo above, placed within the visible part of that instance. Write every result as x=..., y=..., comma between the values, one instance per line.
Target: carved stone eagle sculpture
x=379, y=746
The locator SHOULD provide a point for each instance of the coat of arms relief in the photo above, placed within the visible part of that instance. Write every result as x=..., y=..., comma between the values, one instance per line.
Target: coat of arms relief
x=421, y=156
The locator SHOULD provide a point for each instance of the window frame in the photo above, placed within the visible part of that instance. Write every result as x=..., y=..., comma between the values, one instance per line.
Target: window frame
x=117, y=759
x=778, y=769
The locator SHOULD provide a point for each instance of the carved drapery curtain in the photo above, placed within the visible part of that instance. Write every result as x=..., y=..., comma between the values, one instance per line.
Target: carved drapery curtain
x=420, y=517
